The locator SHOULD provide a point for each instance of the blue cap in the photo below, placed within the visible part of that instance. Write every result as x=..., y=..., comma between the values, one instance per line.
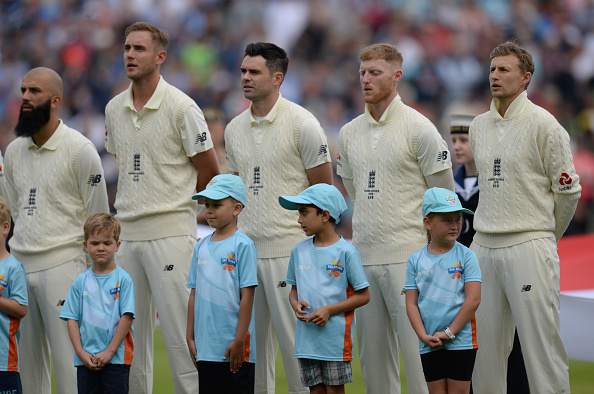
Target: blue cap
x=437, y=199
x=223, y=186
x=324, y=196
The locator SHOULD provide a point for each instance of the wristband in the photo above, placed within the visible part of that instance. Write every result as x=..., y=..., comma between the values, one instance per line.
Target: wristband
x=449, y=333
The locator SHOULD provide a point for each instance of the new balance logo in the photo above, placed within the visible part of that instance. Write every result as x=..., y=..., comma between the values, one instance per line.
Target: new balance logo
x=61, y=302
x=442, y=156
x=403, y=291
x=323, y=150
x=200, y=138
x=94, y=180
x=168, y=267
x=282, y=283
x=526, y=288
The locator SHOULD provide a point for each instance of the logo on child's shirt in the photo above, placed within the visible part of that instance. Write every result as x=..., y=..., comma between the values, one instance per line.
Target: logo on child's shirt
x=457, y=270
x=3, y=282
x=115, y=292
x=229, y=263
x=335, y=268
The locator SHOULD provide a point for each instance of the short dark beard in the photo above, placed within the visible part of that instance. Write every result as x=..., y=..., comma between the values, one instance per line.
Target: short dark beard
x=31, y=122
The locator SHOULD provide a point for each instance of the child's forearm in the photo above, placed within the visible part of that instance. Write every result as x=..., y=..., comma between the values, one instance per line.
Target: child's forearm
x=413, y=313
x=360, y=298
x=74, y=334
x=12, y=307
x=472, y=291
x=120, y=333
x=190, y=323
x=245, y=312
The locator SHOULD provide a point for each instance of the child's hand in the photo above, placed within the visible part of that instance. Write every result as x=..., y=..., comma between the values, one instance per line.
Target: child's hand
x=88, y=361
x=103, y=358
x=235, y=352
x=442, y=336
x=320, y=316
x=299, y=312
x=432, y=341
x=192, y=349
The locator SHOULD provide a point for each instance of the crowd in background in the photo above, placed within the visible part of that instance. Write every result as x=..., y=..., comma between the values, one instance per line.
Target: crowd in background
x=445, y=44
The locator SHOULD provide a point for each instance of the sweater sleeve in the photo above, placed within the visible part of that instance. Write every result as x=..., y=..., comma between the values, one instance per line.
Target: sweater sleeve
x=91, y=181
x=558, y=165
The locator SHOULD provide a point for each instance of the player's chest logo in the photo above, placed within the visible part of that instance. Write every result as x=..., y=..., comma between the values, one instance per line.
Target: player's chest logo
x=256, y=185
x=136, y=168
x=3, y=282
x=229, y=263
x=115, y=292
x=371, y=190
x=336, y=269
x=496, y=179
x=31, y=205
x=456, y=271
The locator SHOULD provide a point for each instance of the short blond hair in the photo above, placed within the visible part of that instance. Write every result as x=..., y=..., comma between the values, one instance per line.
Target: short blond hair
x=160, y=37
x=387, y=52
x=4, y=211
x=102, y=223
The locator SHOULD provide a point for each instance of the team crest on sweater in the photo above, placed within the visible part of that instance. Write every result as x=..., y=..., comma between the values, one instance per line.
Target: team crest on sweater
x=229, y=263
x=457, y=270
x=335, y=268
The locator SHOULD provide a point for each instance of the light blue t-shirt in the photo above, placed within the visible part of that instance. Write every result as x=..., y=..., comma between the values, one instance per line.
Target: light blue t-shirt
x=13, y=285
x=98, y=302
x=440, y=281
x=324, y=276
x=218, y=271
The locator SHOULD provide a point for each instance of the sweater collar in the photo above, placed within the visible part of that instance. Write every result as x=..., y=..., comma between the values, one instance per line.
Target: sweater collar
x=270, y=116
x=514, y=109
x=155, y=100
x=387, y=113
x=53, y=142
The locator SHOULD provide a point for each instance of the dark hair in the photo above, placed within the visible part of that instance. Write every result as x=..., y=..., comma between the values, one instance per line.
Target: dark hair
x=275, y=56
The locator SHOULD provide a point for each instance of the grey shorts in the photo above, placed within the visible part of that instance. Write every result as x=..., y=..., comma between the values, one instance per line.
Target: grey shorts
x=330, y=373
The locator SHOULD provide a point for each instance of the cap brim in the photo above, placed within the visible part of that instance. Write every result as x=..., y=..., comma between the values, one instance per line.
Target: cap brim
x=212, y=194
x=290, y=202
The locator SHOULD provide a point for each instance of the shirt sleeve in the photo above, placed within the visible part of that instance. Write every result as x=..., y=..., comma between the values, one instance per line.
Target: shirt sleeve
x=291, y=277
x=18, y=285
x=411, y=275
x=192, y=276
x=432, y=153
x=127, y=304
x=247, y=258
x=472, y=269
x=355, y=273
x=71, y=307
x=10, y=194
x=194, y=132
x=91, y=181
x=230, y=158
x=2, y=192
x=313, y=144
x=109, y=141
x=343, y=168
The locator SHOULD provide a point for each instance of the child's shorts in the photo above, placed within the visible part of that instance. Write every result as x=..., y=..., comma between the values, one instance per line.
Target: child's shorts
x=10, y=382
x=450, y=364
x=330, y=373
x=216, y=377
x=112, y=378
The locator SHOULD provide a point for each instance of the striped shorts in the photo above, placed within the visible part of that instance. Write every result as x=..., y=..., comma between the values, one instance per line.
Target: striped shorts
x=330, y=373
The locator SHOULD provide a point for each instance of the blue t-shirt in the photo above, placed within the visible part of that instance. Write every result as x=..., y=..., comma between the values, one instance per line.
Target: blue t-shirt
x=324, y=276
x=440, y=281
x=98, y=302
x=218, y=271
x=13, y=285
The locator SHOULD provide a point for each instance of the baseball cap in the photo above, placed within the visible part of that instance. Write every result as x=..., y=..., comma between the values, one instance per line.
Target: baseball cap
x=437, y=199
x=223, y=186
x=460, y=123
x=324, y=196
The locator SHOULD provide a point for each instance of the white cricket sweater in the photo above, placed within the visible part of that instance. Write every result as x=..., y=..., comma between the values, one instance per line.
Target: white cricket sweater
x=269, y=169
x=51, y=192
x=526, y=175
x=156, y=179
x=389, y=180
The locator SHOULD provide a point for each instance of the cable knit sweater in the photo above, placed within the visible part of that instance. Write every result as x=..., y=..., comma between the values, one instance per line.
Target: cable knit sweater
x=529, y=187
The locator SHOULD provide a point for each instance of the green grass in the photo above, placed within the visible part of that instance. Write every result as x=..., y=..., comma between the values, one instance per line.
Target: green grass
x=581, y=374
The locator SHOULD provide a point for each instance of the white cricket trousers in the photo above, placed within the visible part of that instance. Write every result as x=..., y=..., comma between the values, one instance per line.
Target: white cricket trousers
x=160, y=269
x=383, y=329
x=275, y=325
x=44, y=333
x=520, y=284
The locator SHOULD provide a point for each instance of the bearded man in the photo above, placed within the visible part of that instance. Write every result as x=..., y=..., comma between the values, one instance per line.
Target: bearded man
x=53, y=182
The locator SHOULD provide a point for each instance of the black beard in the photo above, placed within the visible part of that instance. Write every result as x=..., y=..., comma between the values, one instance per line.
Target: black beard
x=31, y=122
